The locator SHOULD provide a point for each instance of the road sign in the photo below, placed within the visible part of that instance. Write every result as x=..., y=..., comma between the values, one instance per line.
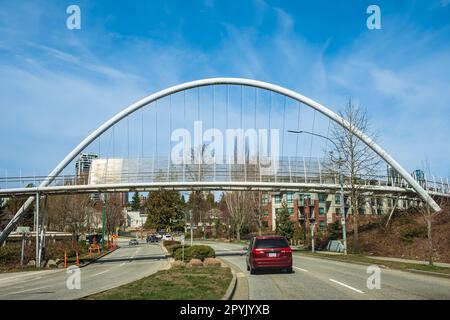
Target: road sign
x=23, y=229
x=342, y=220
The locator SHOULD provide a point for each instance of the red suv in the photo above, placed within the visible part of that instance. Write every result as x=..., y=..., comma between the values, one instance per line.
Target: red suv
x=269, y=252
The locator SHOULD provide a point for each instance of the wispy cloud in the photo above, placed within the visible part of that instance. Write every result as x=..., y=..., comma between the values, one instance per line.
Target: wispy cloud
x=70, y=87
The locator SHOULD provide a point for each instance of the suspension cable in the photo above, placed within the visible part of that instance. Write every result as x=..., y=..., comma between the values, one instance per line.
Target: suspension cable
x=142, y=133
x=298, y=128
x=284, y=124
x=312, y=136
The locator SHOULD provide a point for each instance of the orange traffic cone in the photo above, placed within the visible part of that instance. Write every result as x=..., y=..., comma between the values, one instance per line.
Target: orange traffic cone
x=78, y=260
x=65, y=259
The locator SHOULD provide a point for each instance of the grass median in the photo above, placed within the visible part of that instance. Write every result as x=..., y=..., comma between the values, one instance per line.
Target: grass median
x=196, y=283
x=362, y=259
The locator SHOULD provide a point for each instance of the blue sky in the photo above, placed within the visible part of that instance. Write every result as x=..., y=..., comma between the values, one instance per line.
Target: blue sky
x=58, y=85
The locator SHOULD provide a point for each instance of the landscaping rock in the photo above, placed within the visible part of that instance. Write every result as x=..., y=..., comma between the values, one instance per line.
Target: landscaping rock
x=195, y=263
x=51, y=264
x=212, y=262
x=31, y=263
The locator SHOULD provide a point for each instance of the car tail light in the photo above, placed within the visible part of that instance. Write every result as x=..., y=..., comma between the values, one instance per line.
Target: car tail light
x=258, y=252
x=286, y=251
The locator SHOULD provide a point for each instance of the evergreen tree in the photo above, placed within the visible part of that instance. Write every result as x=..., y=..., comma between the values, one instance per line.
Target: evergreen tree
x=165, y=210
x=136, y=202
x=198, y=205
x=210, y=200
x=284, y=225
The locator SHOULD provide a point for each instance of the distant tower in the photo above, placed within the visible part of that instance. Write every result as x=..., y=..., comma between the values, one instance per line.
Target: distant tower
x=393, y=176
x=419, y=176
x=83, y=164
x=82, y=167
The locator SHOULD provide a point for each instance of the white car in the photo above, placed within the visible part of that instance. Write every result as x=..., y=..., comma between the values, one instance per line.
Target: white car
x=167, y=237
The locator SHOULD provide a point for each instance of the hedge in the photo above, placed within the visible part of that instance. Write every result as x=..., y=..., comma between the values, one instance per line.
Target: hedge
x=195, y=252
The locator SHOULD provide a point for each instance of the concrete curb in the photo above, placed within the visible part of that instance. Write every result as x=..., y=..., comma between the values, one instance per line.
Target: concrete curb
x=165, y=251
x=232, y=287
x=429, y=273
x=344, y=261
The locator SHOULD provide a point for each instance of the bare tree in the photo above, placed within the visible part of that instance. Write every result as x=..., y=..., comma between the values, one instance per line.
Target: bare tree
x=428, y=215
x=68, y=213
x=237, y=203
x=114, y=213
x=359, y=162
x=257, y=209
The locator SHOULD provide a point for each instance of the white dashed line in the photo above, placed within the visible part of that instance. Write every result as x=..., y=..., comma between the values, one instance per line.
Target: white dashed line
x=100, y=273
x=304, y=270
x=345, y=285
x=34, y=289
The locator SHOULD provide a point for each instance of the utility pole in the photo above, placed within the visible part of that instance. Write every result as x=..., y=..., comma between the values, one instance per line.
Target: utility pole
x=192, y=230
x=103, y=219
x=344, y=219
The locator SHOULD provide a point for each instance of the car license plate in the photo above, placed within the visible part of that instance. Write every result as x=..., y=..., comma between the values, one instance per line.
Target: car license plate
x=272, y=254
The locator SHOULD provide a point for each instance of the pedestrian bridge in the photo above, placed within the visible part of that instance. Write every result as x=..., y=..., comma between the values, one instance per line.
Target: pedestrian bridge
x=217, y=134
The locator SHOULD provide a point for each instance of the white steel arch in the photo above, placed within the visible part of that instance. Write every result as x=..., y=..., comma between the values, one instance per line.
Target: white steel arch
x=221, y=81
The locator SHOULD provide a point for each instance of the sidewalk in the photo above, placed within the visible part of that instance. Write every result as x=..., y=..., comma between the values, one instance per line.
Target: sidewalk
x=438, y=264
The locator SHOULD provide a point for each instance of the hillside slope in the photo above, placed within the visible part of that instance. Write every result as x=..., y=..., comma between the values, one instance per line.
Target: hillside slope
x=406, y=236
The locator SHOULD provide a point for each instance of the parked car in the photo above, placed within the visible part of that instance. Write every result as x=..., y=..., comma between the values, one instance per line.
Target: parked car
x=266, y=252
x=167, y=236
x=152, y=238
x=133, y=242
x=159, y=236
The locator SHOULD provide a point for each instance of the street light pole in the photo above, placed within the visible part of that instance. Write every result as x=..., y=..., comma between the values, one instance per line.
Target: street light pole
x=103, y=220
x=341, y=182
x=343, y=221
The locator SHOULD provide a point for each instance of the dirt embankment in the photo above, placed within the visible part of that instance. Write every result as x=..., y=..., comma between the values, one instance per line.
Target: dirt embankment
x=406, y=236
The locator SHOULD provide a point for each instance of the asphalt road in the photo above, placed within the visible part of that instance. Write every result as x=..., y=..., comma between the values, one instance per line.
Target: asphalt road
x=124, y=265
x=316, y=278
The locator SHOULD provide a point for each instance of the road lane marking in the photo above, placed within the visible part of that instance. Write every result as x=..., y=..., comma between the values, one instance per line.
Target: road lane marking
x=25, y=275
x=345, y=285
x=122, y=264
x=100, y=273
x=304, y=270
x=34, y=289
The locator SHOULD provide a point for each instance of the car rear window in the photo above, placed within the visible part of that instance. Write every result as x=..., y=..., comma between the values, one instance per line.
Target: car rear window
x=271, y=243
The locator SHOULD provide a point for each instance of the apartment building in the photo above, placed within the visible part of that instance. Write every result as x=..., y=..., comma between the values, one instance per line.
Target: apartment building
x=325, y=208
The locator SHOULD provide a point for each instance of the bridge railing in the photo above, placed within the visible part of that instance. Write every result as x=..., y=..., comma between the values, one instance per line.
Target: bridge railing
x=161, y=169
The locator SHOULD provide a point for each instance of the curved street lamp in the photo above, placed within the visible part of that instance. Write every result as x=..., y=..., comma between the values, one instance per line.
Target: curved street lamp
x=341, y=182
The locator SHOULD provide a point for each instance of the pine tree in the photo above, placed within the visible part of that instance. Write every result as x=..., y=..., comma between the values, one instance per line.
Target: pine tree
x=165, y=210
x=284, y=225
x=136, y=202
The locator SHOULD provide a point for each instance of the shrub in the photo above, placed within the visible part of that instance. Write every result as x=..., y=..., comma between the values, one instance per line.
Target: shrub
x=175, y=247
x=408, y=233
x=212, y=262
x=9, y=254
x=195, y=252
x=168, y=243
x=195, y=263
